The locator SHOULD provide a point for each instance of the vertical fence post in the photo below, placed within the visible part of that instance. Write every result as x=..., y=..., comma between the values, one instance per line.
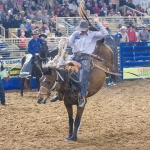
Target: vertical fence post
x=121, y=58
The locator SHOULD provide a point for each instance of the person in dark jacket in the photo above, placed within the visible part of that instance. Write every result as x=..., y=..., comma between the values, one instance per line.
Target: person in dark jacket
x=7, y=24
x=2, y=92
x=58, y=33
x=34, y=50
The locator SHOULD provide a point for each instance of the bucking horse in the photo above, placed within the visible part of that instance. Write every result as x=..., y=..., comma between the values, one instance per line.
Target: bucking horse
x=62, y=79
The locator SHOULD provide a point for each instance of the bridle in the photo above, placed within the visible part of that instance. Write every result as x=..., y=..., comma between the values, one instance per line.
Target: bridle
x=48, y=91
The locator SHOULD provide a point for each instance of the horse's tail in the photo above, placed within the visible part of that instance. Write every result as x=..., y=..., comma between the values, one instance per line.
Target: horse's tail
x=23, y=60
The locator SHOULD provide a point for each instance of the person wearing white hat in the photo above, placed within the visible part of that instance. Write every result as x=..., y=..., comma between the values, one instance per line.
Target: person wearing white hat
x=144, y=34
x=123, y=32
x=83, y=42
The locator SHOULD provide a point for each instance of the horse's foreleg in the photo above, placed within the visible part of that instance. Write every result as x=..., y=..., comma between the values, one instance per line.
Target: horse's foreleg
x=38, y=83
x=22, y=86
x=77, y=123
x=70, y=116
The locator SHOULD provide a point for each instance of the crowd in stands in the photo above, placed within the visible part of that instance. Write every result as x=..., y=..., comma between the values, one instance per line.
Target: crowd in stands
x=28, y=15
x=131, y=34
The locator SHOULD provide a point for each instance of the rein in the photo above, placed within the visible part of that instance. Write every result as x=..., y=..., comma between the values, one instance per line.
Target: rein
x=109, y=72
x=101, y=59
x=42, y=58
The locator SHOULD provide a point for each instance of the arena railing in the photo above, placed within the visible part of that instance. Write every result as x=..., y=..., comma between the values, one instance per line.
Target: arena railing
x=2, y=32
x=67, y=24
x=16, y=48
x=125, y=8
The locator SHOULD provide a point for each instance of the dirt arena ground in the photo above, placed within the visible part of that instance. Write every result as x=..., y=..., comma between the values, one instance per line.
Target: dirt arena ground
x=116, y=118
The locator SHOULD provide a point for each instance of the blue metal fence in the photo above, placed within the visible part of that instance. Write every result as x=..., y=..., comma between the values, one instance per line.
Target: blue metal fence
x=134, y=55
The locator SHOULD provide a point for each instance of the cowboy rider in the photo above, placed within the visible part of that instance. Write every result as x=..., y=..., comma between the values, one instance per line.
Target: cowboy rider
x=83, y=42
x=34, y=44
x=33, y=56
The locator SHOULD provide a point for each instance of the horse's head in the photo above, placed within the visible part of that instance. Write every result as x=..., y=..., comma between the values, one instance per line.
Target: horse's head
x=47, y=83
x=44, y=51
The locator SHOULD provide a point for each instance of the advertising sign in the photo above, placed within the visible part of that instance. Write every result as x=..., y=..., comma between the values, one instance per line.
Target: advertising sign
x=12, y=65
x=141, y=72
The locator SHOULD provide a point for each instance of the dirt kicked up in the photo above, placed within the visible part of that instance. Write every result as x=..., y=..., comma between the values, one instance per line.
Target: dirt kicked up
x=116, y=118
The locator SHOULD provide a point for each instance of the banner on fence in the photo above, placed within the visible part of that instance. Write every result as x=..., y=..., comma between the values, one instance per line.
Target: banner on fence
x=14, y=66
x=143, y=72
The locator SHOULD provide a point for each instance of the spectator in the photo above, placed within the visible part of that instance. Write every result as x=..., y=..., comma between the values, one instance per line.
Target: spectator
x=123, y=32
x=137, y=34
x=7, y=24
x=19, y=2
x=100, y=4
x=1, y=5
x=45, y=28
x=131, y=34
x=16, y=9
x=10, y=4
x=139, y=8
x=22, y=43
x=122, y=3
x=148, y=10
x=96, y=9
x=119, y=18
x=130, y=4
x=72, y=14
x=25, y=5
x=16, y=22
x=73, y=6
x=58, y=33
x=103, y=11
x=33, y=7
x=5, y=8
x=94, y=2
x=4, y=49
x=110, y=7
x=111, y=13
x=38, y=16
x=22, y=29
x=89, y=7
x=45, y=17
x=144, y=34
x=28, y=28
x=52, y=25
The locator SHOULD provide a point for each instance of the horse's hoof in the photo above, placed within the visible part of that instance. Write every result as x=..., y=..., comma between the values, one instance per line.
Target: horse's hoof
x=72, y=138
x=44, y=102
x=39, y=101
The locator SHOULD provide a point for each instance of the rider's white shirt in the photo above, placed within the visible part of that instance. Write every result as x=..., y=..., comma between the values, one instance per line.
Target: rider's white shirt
x=86, y=43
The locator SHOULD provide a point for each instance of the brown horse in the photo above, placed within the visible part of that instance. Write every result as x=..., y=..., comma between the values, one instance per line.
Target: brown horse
x=55, y=78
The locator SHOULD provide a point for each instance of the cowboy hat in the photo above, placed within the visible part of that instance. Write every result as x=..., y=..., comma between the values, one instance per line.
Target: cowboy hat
x=43, y=35
x=35, y=32
x=83, y=26
x=123, y=27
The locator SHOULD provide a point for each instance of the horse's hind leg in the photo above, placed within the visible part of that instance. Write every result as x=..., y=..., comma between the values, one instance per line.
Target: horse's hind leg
x=77, y=123
x=70, y=116
x=22, y=86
